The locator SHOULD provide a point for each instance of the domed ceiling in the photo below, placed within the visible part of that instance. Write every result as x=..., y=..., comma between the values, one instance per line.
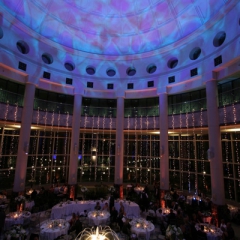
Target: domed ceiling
x=114, y=27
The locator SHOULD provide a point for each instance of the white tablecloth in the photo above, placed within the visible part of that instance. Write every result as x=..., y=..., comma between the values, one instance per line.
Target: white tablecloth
x=67, y=208
x=98, y=217
x=213, y=233
x=140, y=225
x=16, y=218
x=51, y=229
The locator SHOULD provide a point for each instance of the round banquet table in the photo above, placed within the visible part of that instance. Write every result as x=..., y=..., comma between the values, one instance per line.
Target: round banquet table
x=98, y=217
x=213, y=233
x=140, y=225
x=51, y=229
x=138, y=190
x=62, y=210
x=14, y=218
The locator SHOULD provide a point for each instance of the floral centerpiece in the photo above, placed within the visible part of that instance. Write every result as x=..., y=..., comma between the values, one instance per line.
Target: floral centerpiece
x=20, y=199
x=84, y=189
x=16, y=231
x=173, y=233
x=111, y=189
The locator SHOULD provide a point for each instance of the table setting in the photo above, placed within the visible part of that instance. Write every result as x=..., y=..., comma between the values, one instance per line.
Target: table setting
x=14, y=218
x=213, y=232
x=16, y=232
x=138, y=190
x=141, y=225
x=51, y=229
x=99, y=217
x=206, y=217
x=69, y=207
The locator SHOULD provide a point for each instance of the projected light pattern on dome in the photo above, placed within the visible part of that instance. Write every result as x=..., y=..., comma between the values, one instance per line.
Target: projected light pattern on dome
x=113, y=27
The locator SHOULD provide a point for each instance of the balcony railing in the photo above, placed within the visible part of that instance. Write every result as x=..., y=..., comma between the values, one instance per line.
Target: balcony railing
x=184, y=107
x=141, y=111
x=229, y=97
x=11, y=98
x=99, y=111
x=48, y=106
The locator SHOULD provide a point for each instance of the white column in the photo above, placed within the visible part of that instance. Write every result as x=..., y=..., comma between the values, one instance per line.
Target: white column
x=119, y=141
x=24, y=138
x=73, y=164
x=215, y=151
x=164, y=161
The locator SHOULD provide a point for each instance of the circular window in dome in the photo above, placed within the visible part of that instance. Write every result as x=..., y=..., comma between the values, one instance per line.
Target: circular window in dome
x=111, y=72
x=47, y=58
x=1, y=33
x=172, y=63
x=131, y=71
x=90, y=70
x=195, y=53
x=151, y=68
x=69, y=66
x=22, y=47
x=219, y=39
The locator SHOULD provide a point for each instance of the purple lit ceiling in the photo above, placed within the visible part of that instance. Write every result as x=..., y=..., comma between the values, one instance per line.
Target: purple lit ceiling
x=114, y=27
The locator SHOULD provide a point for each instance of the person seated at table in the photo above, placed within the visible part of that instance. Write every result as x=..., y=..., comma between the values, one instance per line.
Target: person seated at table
x=84, y=213
x=73, y=219
x=114, y=215
x=126, y=228
x=229, y=233
x=201, y=233
x=56, y=189
x=2, y=219
x=174, y=205
x=77, y=226
x=199, y=217
x=65, y=190
x=105, y=207
x=223, y=225
x=33, y=194
x=171, y=218
x=97, y=207
x=121, y=209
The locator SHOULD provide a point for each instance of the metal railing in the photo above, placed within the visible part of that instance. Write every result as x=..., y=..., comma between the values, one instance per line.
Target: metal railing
x=11, y=98
x=229, y=97
x=141, y=111
x=48, y=106
x=99, y=111
x=184, y=107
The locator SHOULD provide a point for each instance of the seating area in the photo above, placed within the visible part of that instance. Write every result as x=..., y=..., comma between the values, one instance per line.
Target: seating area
x=46, y=216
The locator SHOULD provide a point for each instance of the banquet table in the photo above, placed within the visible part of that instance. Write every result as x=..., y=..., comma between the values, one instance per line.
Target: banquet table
x=213, y=233
x=14, y=218
x=51, y=229
x=138, y=189
x=98, y=217
x=67, y=208
x=140, y=225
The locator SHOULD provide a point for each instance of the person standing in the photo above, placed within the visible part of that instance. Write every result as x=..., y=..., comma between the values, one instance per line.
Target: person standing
x=2, y=219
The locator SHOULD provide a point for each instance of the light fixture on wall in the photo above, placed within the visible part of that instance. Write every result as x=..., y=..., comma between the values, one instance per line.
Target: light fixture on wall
x=26, y=147
x=94, y=153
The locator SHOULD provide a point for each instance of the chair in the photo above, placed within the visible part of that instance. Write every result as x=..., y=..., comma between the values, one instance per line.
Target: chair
x=152, y=236
x=142, y=236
